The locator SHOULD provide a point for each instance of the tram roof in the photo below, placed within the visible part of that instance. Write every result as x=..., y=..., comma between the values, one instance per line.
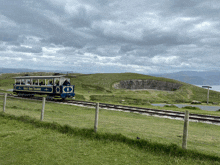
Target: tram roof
x=39, y=77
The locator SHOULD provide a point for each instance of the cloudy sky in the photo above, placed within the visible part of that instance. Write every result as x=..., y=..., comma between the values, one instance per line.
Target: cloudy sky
x=96, y=36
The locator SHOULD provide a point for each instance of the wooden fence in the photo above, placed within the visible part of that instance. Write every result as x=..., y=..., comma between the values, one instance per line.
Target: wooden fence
x=185, y=128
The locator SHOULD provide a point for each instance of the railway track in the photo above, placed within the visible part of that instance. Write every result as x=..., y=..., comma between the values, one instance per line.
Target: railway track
x=148, y=111
x=153, y=112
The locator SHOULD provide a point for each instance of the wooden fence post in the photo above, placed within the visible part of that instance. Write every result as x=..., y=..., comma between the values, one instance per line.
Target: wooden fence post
x=42, y=111
x=4, y=104
x=96, y=117
x=185, y=130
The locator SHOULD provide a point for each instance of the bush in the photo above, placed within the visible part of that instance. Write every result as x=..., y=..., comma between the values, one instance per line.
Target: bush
x=171, y=106
x=190, y=107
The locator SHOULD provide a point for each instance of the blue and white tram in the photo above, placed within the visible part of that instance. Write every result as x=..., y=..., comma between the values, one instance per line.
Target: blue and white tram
x=52, y=86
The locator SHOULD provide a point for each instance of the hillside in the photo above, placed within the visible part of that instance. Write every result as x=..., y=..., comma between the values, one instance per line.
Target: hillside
x=66, y=136
x=100, y=88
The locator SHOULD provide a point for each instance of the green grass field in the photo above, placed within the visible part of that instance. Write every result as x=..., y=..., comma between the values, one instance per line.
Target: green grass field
x=66, y=137
x=99, y=87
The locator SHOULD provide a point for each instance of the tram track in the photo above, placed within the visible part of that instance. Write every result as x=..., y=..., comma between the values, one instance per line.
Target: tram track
x=147, y=111
x=154, y=112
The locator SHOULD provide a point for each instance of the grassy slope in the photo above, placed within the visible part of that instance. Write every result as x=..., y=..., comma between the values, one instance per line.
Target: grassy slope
x=27, y=141
x=98, y=87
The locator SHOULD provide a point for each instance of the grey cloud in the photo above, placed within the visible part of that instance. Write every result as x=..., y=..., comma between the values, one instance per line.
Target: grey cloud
x=27, y=11
x=133, y=60
x=81, y=19
x=98, y=2
x=67, y=40
x=151, y=51
x=192, y=8
x=17, y=55
x=28, y=50
x=186, y=4
x=143, y=51
x=8, y=37
x=18, y=11
x=126, y=48
x=166, y=38
x=2, y=48
x=22, y=15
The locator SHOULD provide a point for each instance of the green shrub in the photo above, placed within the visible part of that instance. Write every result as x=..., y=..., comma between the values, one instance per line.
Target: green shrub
x=190, y=107
x=171, y=106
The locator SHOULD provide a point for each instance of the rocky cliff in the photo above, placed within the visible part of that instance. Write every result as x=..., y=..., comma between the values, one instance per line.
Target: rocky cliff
x=147, y=84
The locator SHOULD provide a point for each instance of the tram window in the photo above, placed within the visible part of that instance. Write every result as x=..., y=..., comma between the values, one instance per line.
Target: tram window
x=57, y=82
x=22, y=82
x=28, y=83
x=50, y=83
x=66, y=82
x=34, y=82
x=41, y=83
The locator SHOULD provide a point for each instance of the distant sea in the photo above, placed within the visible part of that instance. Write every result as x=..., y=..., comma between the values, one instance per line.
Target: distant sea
x=214, y=87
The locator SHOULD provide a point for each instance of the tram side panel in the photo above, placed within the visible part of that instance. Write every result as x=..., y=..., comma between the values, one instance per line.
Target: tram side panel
x=62, y=91
x=33, y=89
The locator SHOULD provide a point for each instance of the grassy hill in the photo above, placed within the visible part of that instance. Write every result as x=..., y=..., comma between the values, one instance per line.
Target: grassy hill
x=99, y=88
